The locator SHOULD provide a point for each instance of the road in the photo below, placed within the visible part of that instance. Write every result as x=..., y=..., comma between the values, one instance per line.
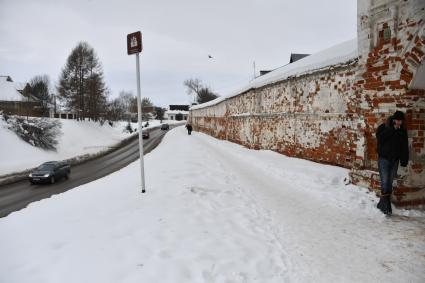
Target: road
x=16, y=196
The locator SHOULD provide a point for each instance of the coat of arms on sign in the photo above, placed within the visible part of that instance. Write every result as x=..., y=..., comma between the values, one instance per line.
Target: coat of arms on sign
x=133, y=42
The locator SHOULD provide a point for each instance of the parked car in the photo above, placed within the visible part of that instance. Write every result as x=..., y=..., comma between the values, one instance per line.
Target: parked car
x=50, y=172
x=145, y=134
x=165, y=127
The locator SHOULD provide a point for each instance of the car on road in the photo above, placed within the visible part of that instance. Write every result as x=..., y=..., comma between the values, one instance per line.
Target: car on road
x=165, y=127
x=145, y=134
x=50, y=172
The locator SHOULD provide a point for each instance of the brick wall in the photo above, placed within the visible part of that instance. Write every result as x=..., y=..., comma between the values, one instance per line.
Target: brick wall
x=391, y=48
x=330, y=116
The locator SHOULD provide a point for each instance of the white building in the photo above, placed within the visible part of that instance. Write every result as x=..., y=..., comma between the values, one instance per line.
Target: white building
x=178, y=115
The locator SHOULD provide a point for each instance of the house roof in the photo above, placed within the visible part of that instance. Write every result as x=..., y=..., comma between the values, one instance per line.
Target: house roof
x=8, y=91
x=179, y=107
x=20, y=86
x=6, y=78
x=295, y=57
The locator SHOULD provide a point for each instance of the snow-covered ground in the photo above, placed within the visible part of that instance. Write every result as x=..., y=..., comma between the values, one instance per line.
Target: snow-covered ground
x=78, y=138
x=213, y=212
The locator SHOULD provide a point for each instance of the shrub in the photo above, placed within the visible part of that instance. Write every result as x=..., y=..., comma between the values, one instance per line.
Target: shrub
x=128, y=128
x=39, y=132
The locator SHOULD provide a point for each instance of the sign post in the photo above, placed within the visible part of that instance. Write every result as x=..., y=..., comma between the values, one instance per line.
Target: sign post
x=134, y=46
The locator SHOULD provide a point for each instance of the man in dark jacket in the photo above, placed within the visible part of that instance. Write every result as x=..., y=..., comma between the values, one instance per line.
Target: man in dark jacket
x=393, y=150
x=189, y=128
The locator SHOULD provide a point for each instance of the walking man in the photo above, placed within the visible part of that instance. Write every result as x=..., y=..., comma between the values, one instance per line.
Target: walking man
x=189, y=128
x=393, y=149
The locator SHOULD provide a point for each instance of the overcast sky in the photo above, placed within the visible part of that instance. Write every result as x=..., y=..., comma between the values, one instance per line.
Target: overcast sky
x=37, y=36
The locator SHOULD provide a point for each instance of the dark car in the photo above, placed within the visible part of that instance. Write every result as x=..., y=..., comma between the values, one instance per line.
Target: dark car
x=50, y=172
x=165, y=127
x=145, y=134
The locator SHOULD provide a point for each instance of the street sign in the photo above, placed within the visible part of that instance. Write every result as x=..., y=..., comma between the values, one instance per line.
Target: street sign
x=134, y=46
x=134, y=43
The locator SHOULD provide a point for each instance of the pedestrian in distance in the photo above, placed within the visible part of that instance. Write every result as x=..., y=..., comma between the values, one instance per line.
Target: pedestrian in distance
x=393, y=150
x=189, y=128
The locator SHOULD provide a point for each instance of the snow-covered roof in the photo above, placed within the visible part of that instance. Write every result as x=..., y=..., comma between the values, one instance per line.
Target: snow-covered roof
x=176, y=112
x=8, y=91
x=338, y=54
x=19, y=86
x=6, y=78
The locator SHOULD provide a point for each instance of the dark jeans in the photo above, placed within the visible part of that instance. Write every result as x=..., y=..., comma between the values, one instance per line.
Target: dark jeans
x=387, y=172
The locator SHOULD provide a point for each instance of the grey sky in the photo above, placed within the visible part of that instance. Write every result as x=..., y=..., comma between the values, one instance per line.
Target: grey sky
x=37, y=36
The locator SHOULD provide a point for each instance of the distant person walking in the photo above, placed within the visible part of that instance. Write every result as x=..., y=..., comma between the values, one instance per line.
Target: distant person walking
x=393, y=149
x=189, y=128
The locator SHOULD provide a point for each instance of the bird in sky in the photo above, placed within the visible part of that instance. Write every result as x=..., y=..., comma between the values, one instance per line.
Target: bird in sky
x=209, y=56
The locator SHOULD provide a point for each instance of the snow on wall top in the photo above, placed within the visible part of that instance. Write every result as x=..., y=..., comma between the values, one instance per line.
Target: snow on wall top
x=8, y=91
x=338, y=54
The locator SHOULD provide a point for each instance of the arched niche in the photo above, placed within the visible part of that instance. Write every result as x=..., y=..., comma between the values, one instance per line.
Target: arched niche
x=418, y=81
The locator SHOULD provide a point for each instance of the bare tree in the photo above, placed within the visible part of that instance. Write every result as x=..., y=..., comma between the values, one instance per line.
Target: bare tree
x=146, y=102
x=193, y=87
x=159, y=111
x=126, y=99
x=206, y=95
x=115, y=110
x=39, y=86
x=147, y=107
x=200, y=93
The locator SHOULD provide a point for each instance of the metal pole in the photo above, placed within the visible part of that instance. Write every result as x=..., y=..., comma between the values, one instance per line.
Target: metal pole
x=139, y=114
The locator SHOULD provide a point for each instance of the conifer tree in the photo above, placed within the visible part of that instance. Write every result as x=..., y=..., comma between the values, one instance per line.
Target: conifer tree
x=81, y=84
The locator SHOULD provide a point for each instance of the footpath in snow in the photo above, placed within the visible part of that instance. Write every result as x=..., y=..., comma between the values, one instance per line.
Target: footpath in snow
x=213, y=212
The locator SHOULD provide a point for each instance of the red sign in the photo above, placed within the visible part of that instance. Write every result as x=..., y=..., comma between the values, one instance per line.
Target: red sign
x=134, y=43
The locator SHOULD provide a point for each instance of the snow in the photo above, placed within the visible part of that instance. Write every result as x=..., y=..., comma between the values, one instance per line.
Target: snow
x=333, y=56
x=19, y=86
x=213, y=212
x=78, y=138
x=8, y=90
x=176, y=112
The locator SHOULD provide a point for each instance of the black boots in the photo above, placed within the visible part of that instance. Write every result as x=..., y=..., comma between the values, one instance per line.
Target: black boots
x=384, y=204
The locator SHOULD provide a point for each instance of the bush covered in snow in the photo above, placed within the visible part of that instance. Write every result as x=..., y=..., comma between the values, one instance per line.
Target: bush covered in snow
x=128, y=128
x=39, y=132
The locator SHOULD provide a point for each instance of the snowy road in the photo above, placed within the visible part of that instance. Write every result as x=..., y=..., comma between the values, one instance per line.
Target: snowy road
x=213, y=212
x=18, y=195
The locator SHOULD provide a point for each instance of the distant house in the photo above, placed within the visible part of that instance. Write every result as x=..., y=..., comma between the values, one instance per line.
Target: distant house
x=295, y=57
x=176, y=115
x=263, y=72
x=177, y=112
x=179, y=107
x=15, y=99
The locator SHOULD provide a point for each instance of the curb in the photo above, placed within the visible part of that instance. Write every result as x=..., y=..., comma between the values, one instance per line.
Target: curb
x=19, y=176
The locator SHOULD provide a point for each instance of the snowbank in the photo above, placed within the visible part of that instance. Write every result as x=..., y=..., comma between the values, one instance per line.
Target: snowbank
x=213, y=212
x=78, y=138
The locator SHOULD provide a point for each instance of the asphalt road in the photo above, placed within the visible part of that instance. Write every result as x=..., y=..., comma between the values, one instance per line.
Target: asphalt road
x=16, y=196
